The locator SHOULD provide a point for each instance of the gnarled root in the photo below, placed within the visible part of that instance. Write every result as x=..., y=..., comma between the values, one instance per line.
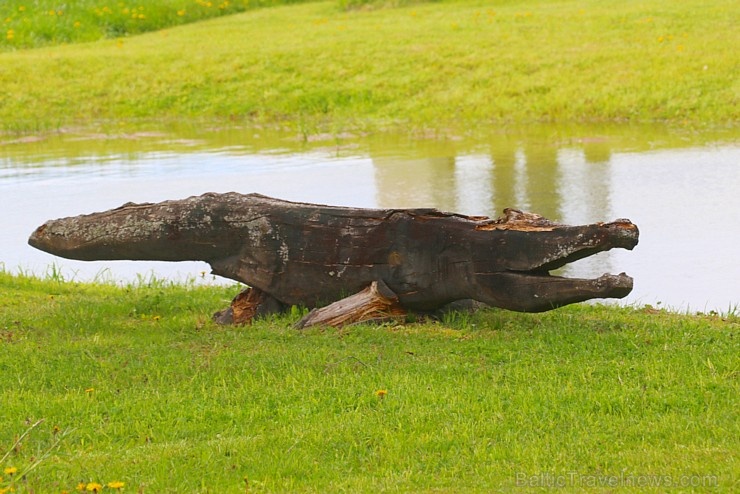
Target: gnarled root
x=248, y=304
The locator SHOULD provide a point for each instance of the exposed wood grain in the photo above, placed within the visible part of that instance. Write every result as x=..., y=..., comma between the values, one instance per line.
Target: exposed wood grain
x=375, y=303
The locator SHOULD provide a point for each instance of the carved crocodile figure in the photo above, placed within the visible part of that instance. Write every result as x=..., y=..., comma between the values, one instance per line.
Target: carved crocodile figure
x=309, y=254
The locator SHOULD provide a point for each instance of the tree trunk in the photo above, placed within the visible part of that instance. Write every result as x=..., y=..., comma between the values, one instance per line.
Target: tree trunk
x=312, y=255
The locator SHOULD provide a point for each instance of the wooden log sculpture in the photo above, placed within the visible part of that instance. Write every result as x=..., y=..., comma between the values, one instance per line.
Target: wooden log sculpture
x=310, y=255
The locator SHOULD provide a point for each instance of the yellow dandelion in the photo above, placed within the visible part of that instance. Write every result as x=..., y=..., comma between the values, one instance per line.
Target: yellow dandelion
x=89, y=390
x=93, y=487
x=10, y=34
x=381, y=393
x=21, y=8
x=77, y=24
x=181, y=13
x=81, y=486
x=116, y=484
x=10, y=470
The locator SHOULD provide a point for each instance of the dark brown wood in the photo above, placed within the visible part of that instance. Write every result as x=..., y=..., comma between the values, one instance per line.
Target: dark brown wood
x=375, y=303
x=312, y=255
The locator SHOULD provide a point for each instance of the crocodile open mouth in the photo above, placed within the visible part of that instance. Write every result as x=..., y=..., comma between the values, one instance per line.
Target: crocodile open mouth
x=535, y=246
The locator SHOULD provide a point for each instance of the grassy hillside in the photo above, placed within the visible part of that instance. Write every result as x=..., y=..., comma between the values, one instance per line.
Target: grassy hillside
x=136, y=385
x=456, y=63
x=30, y=24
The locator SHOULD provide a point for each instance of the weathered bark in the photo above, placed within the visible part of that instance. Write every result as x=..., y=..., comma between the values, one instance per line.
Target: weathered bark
x=375, y=303
x=311, y=255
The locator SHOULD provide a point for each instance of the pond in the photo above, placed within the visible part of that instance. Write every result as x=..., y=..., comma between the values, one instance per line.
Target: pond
x=682, y=189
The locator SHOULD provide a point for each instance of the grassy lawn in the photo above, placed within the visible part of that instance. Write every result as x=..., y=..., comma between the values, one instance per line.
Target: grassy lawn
x=136, y=385
x=464, y=63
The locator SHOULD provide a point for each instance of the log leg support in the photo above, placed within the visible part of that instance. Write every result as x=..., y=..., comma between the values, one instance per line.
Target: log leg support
x=377, y=302
x=248, y=304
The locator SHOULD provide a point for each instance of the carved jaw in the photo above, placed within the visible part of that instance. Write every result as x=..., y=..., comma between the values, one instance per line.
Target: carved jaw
x=524, y=292
x=537, y=246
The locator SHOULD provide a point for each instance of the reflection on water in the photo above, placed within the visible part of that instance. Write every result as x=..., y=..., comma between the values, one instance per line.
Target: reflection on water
x=510, y=175
x=680, y=190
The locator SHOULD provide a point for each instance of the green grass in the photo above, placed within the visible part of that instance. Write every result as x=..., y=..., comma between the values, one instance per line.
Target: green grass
x=462, y=64
x=30, y=24
x=135, y=384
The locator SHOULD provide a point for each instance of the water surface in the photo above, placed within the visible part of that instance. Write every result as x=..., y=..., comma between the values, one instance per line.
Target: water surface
x=681, y=190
